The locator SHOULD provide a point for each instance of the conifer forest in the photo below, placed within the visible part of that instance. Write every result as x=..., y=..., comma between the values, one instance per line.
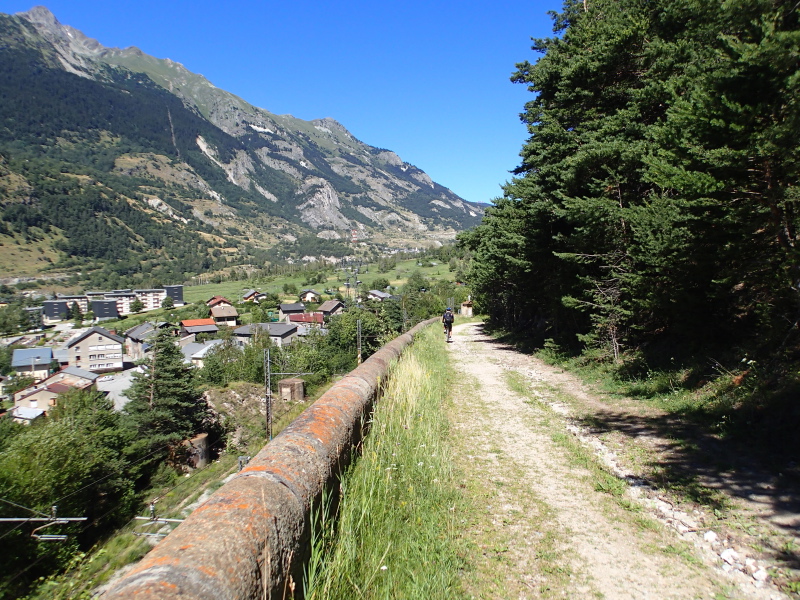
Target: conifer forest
x=653, y=216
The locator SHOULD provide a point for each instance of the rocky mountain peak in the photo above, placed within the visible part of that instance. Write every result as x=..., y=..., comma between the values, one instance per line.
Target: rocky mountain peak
x=40, y=15
x=70, y=44
x=331, y=124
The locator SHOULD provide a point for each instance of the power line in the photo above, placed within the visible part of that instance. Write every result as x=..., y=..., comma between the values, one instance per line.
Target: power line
x=23, y=507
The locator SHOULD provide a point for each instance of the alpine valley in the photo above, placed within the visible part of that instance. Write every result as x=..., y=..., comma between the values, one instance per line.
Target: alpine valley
x=118, y=167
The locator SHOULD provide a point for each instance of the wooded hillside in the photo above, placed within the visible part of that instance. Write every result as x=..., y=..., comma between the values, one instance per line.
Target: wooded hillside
x=655, y=209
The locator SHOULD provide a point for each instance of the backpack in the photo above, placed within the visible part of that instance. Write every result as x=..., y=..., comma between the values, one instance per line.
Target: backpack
x=449, y=317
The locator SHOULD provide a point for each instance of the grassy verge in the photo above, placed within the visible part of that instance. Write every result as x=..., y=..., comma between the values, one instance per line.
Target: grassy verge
x=748, y=406
x=395, y=536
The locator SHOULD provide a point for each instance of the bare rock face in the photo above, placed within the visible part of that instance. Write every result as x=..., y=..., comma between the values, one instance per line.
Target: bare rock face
x=390, y=158
x=322, y=209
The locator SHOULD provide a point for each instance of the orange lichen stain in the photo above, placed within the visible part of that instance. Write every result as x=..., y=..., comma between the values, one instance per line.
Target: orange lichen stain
x=254, y=468
x=163, y=560
x=207, y=571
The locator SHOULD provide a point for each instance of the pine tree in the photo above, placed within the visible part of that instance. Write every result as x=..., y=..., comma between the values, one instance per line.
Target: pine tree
x=656, y=199
x=165, y=407
x=76, y=314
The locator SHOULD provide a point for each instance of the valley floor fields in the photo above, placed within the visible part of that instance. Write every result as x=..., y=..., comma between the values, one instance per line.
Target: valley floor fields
x=567, y=502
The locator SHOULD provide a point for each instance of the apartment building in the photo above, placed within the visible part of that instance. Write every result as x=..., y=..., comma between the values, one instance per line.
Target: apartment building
x=105, y=309
x=124, y=299
x=151, y=298
x=81, y=301
x=96, y=350
x=57, y=310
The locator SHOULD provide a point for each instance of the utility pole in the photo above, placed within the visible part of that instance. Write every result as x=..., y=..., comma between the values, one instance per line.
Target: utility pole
x=268, y=392
x=153, y=519
x=358, y=323
x=152, y=379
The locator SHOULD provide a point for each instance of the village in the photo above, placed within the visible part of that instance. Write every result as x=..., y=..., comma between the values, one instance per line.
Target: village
x=105, y=359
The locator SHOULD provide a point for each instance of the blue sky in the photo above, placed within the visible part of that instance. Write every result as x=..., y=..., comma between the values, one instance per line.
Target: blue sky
x=428, y=80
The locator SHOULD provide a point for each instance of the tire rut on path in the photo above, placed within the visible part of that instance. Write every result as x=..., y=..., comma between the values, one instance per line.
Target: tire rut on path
x=540, y=527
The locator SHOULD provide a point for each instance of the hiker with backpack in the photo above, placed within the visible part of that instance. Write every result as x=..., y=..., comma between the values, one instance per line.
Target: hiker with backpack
x=447, y=320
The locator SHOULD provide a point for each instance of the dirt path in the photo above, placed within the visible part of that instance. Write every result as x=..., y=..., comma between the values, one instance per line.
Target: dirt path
x=558, y=510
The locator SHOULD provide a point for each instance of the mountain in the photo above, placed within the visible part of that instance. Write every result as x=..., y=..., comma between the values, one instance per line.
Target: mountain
x=116, y=162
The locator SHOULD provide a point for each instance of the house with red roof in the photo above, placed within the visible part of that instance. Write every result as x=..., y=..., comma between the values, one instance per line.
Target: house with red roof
x=218, y=301
x=195, y=326
x=44, y=395
x=313, y=319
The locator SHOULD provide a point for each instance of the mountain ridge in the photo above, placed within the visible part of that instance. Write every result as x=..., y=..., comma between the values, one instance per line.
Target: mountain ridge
x=215, y=160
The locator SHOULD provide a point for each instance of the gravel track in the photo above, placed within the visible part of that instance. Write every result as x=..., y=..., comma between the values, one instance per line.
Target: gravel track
x=543, y=522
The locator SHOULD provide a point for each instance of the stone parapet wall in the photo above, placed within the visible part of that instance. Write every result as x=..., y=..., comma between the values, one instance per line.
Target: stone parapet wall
x=250, y=539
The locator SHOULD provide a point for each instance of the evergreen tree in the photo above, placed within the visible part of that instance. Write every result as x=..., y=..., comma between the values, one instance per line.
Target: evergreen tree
x=76, y=314
x=165, y=405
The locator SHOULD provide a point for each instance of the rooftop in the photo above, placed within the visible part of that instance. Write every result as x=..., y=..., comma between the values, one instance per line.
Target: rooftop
x=197, y=322
x=330, y=305
x=97, y=330
x=25, y=357
x=273, y=329
x=224, y=311
x=292, y=307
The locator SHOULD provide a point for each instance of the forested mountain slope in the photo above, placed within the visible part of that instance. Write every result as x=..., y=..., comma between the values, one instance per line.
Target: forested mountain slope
x=112, y=157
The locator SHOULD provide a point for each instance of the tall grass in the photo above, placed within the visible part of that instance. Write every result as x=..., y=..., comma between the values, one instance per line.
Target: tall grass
x=395, y=535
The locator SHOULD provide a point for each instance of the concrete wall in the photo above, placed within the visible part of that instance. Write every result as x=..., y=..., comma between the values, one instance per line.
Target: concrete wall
x=249, y=540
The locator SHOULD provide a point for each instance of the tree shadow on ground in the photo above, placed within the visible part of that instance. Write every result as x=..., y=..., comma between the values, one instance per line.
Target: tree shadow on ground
x=702, y=468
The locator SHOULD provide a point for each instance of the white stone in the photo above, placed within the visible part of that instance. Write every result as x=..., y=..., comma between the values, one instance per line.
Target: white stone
x=730, y=556
x=710, y=537
x=761, y=575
